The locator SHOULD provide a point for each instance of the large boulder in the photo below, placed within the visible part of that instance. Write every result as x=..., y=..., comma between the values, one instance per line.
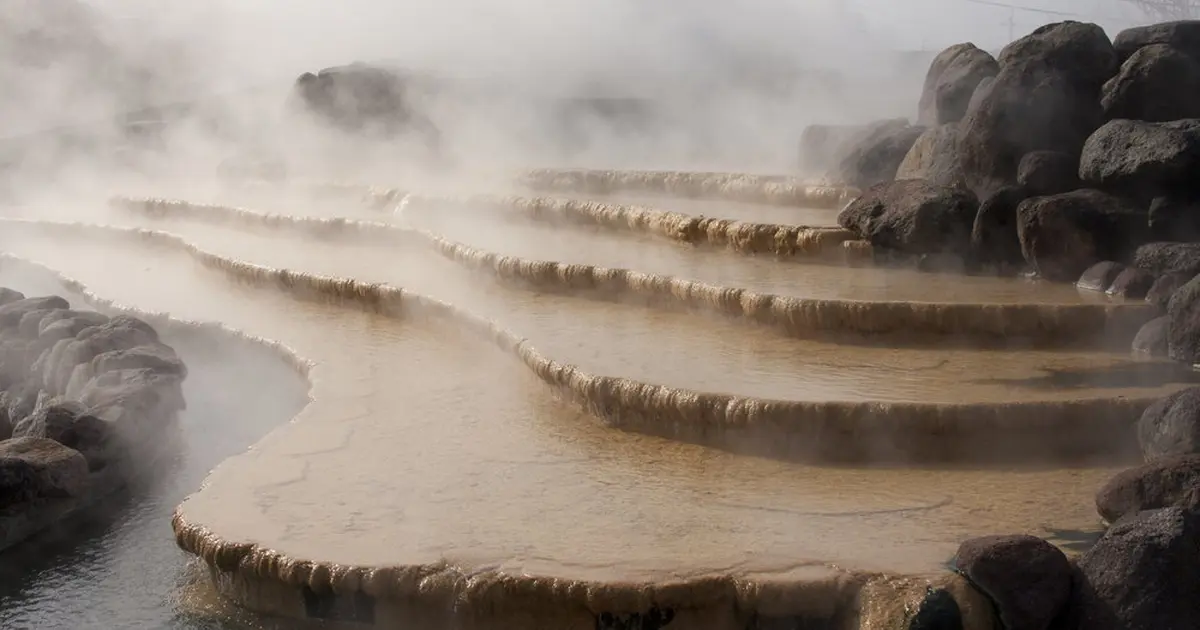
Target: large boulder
x=1144, y=159
x=1183, y=340
x=1156, y=84
x=12, y=312
x=913, y=217
x=1167, y=257
x=994, y=240
x=1151, y=339
x=933, y=157
x=951, y=81
x=1171, y=426
x=138, y=403
x=1164, y=288
x=822, y=146
x=119, y=333
x=69, y=424
x=1027, y=578
x=1100, y=276
x=1132, y=283
x=1143, y=571
x=33, y=468
x=1164, y=482
x=1174, y=219
x=876, y=156
x=1048, y=173
x=8, y=295
x=1046, y=97
x=1183, y=35
x=1062, y=235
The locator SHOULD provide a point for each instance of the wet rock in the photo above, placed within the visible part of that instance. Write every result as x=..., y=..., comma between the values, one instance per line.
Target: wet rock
x=937, y=611
x=1162, y=483
x=876, y=156
x=1027, y=578
x=12, y=312
x=70, y=425
x=913, y=216
x=8, y=295
x=33, y=467
x=1164, y=287
x=1046, y=97
x=1151, y=339
x=1144, y=159
x=1174, y=219
x=1171, y=426
x=1062, y=235
x=1166, y=257
x=1099, y=276
x=994, y=240
x=952, y=78
x=1183, y=338
x=1143, y=569
x=1156, y=84
x=1183, y=35
x=1132, y=283
x=933, y=157
x=1048, y=172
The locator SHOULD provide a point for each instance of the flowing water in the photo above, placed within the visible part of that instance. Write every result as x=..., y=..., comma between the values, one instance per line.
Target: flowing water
x=425, y=444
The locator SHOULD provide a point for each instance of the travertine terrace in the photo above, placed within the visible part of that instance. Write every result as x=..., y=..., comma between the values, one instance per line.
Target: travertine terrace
x=560, y=409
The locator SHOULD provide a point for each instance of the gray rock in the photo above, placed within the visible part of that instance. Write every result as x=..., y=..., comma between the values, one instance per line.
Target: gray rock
x=913, y=217
x=1132, y=283
x=1166, y=257
x=1182, y=35
x=1164, y=287
x=1144, y=159
x=952, y=78
x=12, y=312
x=1062, y=235
x=1171, y=426
x=53, y=470
x=1164, y=482
x=1143, y=570
x=9, y=295
x=70, y=425
x=994, y=240
x=1151, y=339
x=1048, y=173
x=1099, y=276
x=933, y=157
x=1174, y=219
x=1027, y=578
x=1183, y=339
x=876, y=157
x=1156, y=84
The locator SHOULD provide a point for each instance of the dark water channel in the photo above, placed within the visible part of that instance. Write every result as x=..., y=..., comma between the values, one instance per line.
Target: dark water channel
x=121, y=569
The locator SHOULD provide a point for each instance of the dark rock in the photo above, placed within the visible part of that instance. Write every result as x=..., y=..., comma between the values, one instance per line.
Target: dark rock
x=138, y=402
x=1151, y=340
x=981, y=92
x=6, y=425
x=1183, y=338
x=45, y=467
x=119, y=333
x=821, y=146
x=158, y=357
x=994, y=239
x=933, y=157
x=1156, y=84
x=1062, y=235
x=76, y=320
x=1027, y=578
x=70, y=425
x=952, y=78
x=876, y=157
x=1132, y=283
x=1183, y=35
x=1048, y=173
x=8, y=295
x=1164, y=287
x=1099, y=276
x=1171, y=426
x=1144, y=571
x=1144, y=159
x=1162, y=483
x=1174, y=219
x=913, y=216
x=12, y=312
x=1165, y=257
x=21, y=400
x=937, y=611
x=1079, y=51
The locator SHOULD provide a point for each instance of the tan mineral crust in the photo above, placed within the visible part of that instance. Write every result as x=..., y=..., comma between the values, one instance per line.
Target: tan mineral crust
x=435, y=459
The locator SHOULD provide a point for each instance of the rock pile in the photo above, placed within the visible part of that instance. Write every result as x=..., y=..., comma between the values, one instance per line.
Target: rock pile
x=1067, y=151
x=85, y=400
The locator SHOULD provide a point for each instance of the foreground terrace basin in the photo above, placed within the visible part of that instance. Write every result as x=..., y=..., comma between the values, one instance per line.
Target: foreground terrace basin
x=494, y=454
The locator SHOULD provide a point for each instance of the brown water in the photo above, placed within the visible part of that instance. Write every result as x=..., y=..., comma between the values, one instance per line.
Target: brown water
x=424, y=446
x=718, y=209
x=650, y=345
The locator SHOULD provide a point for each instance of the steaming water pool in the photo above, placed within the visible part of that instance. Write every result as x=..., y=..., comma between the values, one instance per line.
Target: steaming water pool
x=122, y=569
